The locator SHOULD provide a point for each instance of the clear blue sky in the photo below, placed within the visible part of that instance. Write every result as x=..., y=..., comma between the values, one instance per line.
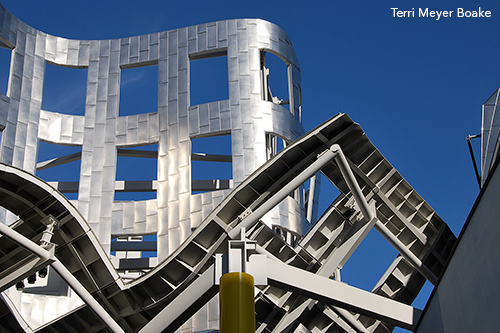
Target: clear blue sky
x=415, y=85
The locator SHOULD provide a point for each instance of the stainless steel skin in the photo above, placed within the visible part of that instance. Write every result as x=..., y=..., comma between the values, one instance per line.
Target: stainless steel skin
x=246, y=116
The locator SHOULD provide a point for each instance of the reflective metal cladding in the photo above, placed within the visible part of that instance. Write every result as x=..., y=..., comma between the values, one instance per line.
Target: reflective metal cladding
x=255, y=119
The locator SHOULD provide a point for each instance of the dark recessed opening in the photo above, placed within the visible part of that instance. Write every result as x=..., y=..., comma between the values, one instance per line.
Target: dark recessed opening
x=208, y=78
x=136, y=172
x=275, y=80
x=60, y=163
x=5, y=56
x=137, y=246
x=211, y=163
x=64, y=89
x=139, y=90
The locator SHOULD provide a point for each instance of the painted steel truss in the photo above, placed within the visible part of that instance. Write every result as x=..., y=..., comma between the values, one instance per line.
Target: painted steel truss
x=300, y=294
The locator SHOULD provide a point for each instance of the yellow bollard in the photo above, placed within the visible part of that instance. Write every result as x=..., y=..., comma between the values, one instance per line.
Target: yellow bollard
x=236, y=303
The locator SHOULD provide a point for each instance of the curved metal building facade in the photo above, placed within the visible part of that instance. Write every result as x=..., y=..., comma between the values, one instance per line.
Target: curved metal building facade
x=246, y=116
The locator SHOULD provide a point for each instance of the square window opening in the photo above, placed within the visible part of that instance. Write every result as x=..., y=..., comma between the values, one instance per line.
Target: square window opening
x=208, y=78
x=132, y=185
x=275, y=79
x=138, y=90
x=211, y=163
x=60, y=166
x=64, y=89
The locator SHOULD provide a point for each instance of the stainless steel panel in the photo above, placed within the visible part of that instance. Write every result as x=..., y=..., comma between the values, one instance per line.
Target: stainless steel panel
x=26, y=89
x=94, y=50
x=140, y=211
x=253, y=41
x=114, y=62
x=163, y=46
x=106, y=209
x=72, y=57
x=244, y=87
x=154, y=52
x=242, y=39
x=100, y=113
x=173, y=137
x=214, y=110
x=234, y=92
x=172, y=42
x=172, y=109
x=103, y=70
x=172, y=69
x=184, y=202
x=84, y=53
x=30, y=45
x=183, y=80
x=192, y=45
x=162, y=194
x=212, y=35
x=173, y=210
x=203, y=111
x=202, y=40
x=128, y=215
x=112, y=107
x=40, y=44
x=144, y=43
x=20, y=43
x=143, y=56
x=102, y=89
x=142, y=132
x=124, y=51
x=225, y=120
x=182, y=38
x=114, y=84
x=233, y=69
x=153, y=126
x=162, y=93
x=173, y=168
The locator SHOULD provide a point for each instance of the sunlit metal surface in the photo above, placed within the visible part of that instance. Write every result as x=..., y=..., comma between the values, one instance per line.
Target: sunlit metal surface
x=191, y=228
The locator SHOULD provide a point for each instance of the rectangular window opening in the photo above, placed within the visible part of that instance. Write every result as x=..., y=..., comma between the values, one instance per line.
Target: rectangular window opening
x=133, y=256
x=136, y=173
x=138, y=90
x=64, y=89
x=5, y=57
x=208, y=79
x=211, y=163
x=275, y=79
x=60, y=166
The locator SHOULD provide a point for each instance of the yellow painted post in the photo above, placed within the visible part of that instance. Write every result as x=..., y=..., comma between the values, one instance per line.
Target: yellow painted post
x=236, y=303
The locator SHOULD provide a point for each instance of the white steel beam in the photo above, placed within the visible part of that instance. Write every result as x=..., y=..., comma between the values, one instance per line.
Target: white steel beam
x=64, y=273
x=405, y=252
x=334, y=152
x=341, y=295
x=178, y=309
